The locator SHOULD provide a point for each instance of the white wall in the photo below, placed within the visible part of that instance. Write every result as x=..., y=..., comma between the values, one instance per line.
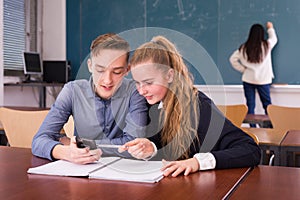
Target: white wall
x=54, y=30
x=53, y=42
x=284, y=95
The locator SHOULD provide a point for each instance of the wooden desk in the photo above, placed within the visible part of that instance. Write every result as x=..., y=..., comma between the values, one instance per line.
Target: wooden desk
x=263, y=120
x=290, y=144
x=269, y=139
x=270, y=182
x=42, y=89
x=15, y=183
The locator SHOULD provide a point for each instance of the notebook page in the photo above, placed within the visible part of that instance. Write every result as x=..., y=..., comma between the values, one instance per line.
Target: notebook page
x=65, y=168
x=131, y=170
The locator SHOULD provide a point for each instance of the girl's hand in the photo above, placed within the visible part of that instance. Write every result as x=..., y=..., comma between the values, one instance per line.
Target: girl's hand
x=140, y=148
x=175, y=168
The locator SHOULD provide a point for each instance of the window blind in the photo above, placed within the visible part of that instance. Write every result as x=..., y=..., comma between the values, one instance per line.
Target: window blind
x=14, y=35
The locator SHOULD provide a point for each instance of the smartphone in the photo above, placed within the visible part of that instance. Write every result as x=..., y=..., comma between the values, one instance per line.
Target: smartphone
x=82, y=143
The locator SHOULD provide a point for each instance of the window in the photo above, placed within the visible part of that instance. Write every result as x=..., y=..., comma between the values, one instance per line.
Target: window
x=13, y=33
x=19, y=32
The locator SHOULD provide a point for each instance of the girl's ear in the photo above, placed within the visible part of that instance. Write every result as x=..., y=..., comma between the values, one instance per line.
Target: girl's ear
x=89, y=64
x=170, y=75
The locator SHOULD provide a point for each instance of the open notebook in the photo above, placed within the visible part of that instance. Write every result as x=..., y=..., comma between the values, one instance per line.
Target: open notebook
x=110, y=168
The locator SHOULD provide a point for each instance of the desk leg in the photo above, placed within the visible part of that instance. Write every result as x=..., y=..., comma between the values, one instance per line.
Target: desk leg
x=288, y=155
x=284, y=156
x=277, y=158
x=42, y=97
x=3, y=138
x=264, y=160
x=266, y=124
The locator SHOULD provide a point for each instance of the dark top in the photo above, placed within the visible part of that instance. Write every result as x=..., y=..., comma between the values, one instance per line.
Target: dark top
x=230, y=146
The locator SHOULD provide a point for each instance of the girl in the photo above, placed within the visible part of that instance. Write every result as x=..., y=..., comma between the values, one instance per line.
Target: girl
x=253, y=60
x=189, y=120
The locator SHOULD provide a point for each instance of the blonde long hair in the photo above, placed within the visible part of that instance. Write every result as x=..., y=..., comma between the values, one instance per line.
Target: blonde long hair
x=181, y=113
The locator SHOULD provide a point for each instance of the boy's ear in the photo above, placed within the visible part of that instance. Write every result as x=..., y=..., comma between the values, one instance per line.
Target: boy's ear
x=89, y=64
x=128, y=69
x=170, y=75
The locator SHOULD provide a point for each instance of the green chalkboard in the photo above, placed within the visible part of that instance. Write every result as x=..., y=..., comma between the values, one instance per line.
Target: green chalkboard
x=219, y=27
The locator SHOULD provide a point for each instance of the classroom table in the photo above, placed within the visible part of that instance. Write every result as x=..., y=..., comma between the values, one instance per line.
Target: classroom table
x=269, y=140
x=262, y=120
x=290, y=144
x=269, y=182
x=15, y=183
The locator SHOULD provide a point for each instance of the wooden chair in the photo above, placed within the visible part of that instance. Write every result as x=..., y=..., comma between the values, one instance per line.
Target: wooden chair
x=255, y=138
x=69, y=127
x=284, y=119
x=20, y=126
x=235, y=113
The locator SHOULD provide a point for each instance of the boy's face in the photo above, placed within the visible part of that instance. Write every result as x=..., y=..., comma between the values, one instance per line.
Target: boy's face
x=108, y=69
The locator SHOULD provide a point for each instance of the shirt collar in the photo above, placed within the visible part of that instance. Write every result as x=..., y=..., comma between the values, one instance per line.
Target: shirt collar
x=160, y=105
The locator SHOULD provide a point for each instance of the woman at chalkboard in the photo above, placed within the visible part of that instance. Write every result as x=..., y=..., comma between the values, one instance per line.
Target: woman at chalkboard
x=253, y=60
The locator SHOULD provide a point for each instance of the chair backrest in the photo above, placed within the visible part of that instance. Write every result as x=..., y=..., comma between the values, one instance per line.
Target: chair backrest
x=69, y=127
x=235, y=113
x=20, y=126
x=255, y=138
x=284, y=118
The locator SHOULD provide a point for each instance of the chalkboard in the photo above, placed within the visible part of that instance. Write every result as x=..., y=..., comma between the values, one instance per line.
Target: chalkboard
x=218, y=27
x=236, y=18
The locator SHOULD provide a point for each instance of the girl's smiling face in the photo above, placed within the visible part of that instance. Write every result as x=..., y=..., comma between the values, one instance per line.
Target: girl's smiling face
x=152, y=82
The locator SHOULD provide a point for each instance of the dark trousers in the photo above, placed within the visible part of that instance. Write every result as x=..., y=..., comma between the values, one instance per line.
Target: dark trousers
x=264, y=95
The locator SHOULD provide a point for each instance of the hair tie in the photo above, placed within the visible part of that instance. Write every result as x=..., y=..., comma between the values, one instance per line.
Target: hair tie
x=159, y=44
x=153, y=41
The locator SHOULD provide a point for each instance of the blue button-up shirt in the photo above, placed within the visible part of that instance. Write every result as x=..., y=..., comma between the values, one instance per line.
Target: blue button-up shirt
x=117, y=120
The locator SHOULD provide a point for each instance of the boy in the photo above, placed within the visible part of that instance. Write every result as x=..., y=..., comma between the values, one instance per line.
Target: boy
x=107, y=108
